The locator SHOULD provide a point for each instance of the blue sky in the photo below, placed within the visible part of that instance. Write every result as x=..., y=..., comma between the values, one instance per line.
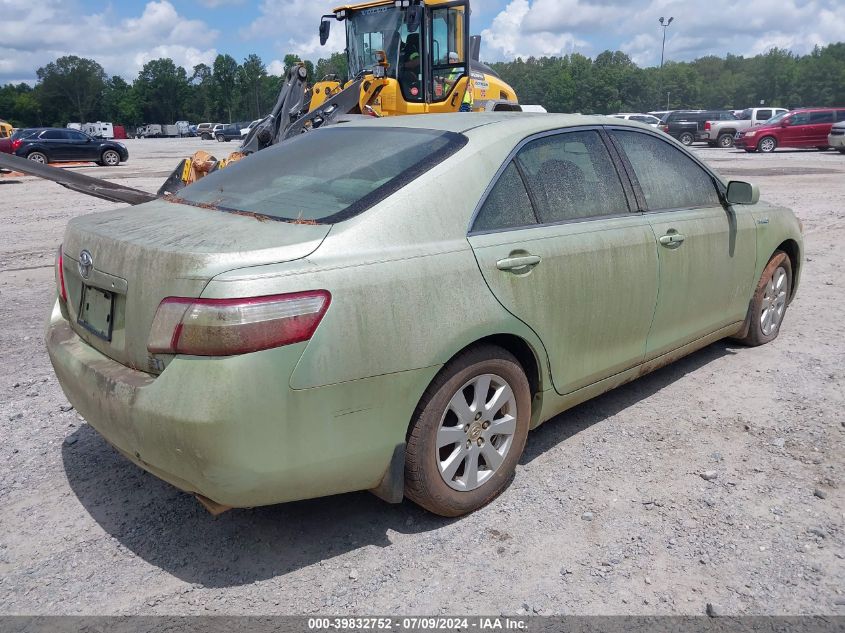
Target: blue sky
x=123, y=35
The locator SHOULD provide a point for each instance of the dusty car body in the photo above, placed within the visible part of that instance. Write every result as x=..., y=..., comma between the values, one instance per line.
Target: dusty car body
x=395, y=315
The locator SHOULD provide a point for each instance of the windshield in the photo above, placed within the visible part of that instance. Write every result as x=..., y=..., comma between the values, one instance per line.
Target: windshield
x=324, y=176
x=372, y=30
x=776, y=119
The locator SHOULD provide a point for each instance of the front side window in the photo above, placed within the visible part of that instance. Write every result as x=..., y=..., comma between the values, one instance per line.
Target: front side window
x=764, y=115
x=76, y=136
x=571, y=177
x=325, y=176
x=800, y=118
x=669, y=179
x=53, y=135
x=507, y=205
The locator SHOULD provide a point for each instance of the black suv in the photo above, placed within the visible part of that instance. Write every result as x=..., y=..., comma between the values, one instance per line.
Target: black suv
x=229, y=132
x=688, y=125
x=57, y=145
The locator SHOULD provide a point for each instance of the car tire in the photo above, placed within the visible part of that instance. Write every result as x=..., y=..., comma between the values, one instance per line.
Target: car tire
x=38, y=157
x=220, y=138
x=110, y=158
x=686, y=138
x=725, y=140
x=771, y=298
x=441, y=478
x=767, y=144
x=206, y=137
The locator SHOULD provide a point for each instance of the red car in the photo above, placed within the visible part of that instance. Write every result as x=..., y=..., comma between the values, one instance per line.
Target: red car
x=807, y=127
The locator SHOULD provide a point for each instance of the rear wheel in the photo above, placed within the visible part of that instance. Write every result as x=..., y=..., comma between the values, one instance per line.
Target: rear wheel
x=768, y=306
x=110, y=158
x=220, y=138
x=206, y=137
x=468, y=432
x=767, y=144
x=725, y=140
x=38, y=157
x=686, y=138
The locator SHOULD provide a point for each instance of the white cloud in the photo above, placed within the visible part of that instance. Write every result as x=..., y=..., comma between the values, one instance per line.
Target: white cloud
x=509, y=37
x=33, y=34
x=293, y=26
x=556, y=27
x=276, y=67
x=213, y=4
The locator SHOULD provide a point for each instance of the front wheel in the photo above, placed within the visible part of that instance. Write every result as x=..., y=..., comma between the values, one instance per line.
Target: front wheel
x=110, y=158
x=768, y=306
x=38, y=157
x=767, y=144
x=686, y=139
x=220, y=138
x=468, y=432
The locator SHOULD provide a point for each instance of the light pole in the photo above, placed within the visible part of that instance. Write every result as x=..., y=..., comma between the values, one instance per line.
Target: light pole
x=665, y=24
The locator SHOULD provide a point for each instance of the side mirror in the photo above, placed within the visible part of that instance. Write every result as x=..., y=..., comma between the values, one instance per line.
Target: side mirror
x=325, y=29
x=413, y=18
x=740, y=192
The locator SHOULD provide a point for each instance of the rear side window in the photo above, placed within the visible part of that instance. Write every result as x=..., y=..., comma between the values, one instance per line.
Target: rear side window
x=764, y=115
x=571, y=177
x=669, y=179
x=324, y=176
x=821, y=117
x=507, y=206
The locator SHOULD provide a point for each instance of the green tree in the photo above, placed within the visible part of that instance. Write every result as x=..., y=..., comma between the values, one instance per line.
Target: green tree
x=72, y=85
x=251, y=75
x=162, y=89
x=225, y=74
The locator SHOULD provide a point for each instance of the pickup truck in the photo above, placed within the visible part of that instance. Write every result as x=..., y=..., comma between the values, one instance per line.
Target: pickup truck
x=722, y=133
x=688, y=125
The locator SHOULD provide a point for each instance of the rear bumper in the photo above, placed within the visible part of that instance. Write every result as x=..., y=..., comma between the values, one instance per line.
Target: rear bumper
x=231, y=429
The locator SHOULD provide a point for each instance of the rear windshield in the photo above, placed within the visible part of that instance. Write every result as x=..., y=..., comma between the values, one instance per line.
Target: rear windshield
x=324, y=176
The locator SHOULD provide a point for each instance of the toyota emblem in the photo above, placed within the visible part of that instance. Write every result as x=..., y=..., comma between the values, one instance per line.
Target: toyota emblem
x=86, y=263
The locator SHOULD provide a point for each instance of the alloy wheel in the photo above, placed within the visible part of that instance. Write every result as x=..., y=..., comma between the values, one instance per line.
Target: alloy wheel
x=774, y=302
x=111, y=158
x=767, y=144
x=476, y=432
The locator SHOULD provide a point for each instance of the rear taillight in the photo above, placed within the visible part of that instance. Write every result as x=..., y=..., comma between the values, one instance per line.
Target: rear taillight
x=664, y=128
x=60, y=276
x=226, y=327
x=707, y=125
x=16, y=144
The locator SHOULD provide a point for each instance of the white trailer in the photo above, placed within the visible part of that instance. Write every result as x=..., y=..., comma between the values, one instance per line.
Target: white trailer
x=74, y=126
x=100, y=129
x=170, y=131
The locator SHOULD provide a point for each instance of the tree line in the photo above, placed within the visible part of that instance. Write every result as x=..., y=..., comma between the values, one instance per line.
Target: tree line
x=78, y=89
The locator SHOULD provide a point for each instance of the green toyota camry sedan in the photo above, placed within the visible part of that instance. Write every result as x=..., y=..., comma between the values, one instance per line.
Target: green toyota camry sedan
x=392, y=305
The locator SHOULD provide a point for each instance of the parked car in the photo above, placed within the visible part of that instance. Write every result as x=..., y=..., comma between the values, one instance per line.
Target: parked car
x=688, y=125
x=228, y=132
x=722, y=133
x=205, y=130
x=807, y=128
x=642, y=118
x=57, y=145
x=369, y=334
x=836, y=138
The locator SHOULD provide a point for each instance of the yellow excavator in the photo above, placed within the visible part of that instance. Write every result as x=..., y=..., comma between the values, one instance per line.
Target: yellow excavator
x=404, y=56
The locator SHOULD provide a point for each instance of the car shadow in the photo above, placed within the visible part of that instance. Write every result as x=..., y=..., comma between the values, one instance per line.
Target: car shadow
x=169, y=529
x=571, y=422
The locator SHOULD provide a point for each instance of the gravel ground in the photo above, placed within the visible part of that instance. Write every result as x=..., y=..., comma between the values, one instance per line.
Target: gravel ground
x=608, y=514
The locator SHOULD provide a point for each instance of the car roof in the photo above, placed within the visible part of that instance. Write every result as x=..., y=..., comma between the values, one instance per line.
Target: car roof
x=501, y=122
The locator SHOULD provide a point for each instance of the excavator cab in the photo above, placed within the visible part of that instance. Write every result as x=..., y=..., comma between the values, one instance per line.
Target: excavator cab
x=423, y=47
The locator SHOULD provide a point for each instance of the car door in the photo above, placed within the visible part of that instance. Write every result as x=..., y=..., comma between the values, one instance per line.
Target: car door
x=820, y=123
x=559, y=247
x=707, y=252
x=81, y=146
x=795, y=131
x=55, y=144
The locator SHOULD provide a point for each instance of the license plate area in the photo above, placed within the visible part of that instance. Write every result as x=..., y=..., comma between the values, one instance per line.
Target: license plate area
x=96, y=312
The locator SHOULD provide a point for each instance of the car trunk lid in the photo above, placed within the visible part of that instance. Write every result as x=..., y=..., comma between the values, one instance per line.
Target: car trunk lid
x=120, y=264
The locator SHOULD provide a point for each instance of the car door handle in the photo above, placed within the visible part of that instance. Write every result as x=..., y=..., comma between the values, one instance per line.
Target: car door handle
x=672, y=239
x=515, y=263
